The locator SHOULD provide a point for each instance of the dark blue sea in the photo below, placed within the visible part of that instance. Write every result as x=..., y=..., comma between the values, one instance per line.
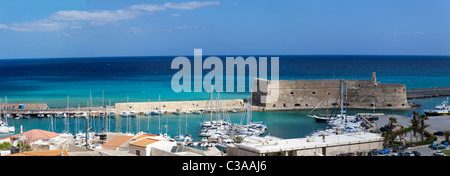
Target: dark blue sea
x=51, y=80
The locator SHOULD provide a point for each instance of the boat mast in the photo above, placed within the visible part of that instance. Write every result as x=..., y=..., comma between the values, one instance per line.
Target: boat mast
x=342, y=98
x=211, y=104
x=159, y=129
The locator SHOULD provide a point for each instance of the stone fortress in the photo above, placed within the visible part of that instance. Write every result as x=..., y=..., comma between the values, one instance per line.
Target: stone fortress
x=326, y=93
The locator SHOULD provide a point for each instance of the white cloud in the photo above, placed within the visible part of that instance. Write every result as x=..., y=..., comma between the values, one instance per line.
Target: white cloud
x=191, y=5
x=147, y=7
x=74, y=19
x=95, y=15
x=40, y=25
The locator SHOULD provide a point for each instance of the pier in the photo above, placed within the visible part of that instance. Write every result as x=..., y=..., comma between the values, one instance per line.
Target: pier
x=427, y=92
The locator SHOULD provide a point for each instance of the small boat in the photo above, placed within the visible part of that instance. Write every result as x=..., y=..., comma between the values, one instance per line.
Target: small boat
x=8, y=115
x=19, y=116
x=125, y=114
x=41, y=115
x=133, y=114
x=178, y=112
x=197, y=112
x=234, y=111
x=112, y=114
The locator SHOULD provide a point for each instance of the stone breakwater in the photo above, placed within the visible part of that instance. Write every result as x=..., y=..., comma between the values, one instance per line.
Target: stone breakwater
x=183, y=106
x=428, y=92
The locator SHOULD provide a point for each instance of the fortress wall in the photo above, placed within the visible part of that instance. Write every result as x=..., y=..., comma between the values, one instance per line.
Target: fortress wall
x=307, y=94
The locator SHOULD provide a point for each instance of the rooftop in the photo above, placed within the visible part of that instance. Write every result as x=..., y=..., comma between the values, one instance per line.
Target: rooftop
x=42, y=153
x=116, y=142
x=266, y=146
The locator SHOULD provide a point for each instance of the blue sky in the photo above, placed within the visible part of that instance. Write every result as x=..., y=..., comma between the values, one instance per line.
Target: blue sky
x=95, y=28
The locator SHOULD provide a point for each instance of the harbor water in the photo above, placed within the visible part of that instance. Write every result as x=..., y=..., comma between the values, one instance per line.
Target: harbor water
x=143, y=79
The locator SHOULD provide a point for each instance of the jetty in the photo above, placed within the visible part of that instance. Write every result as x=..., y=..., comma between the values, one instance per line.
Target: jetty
x=427, y=92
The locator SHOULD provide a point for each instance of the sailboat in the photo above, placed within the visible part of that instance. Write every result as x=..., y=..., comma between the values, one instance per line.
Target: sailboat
x=251, y=128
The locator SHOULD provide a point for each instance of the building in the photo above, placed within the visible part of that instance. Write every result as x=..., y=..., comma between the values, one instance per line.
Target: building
x=42, y=153
x=328, y=93
x=118, y=143
x=311, y=146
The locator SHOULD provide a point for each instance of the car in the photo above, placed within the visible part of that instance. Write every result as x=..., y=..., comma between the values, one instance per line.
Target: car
x=438, y=133
x=409, y=154
x=385, y=151
x=373, y=152
x=438, y=153
x=398, y=148
x=416, y=153
x=436, y=146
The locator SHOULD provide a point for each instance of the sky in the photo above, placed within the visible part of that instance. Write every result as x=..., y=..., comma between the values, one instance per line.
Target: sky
x=103, y=28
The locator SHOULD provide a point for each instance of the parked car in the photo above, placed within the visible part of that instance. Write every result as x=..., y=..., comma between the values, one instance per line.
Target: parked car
x=438, y=133
x=436, y=146
x=373, y=152
x=416, y=153
x=385, y=151
x=438, y=153
x=398, y=148
x=409, y=154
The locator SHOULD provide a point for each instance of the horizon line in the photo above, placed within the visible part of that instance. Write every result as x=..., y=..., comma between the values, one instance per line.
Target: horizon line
x=237, y=55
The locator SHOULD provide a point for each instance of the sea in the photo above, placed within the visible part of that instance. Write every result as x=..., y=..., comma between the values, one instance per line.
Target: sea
x=142, y=79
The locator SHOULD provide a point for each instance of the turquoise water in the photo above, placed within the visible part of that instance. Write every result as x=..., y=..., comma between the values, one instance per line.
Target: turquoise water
x=145, y=78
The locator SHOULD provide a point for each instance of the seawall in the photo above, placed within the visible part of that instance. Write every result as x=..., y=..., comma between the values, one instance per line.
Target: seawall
x=427, y=92
x=172, y=106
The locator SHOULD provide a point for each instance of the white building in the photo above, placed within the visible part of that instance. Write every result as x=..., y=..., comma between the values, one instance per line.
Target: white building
x=312, y=146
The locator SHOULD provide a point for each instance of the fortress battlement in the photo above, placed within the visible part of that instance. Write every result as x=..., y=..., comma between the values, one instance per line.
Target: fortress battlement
x=323, y=93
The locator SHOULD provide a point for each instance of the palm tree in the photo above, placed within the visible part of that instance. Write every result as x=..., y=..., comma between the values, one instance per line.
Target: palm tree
x=391, y=124
x=422, y=119
x=415, y=122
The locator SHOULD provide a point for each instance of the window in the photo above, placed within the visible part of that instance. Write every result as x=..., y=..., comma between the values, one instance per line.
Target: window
x=297, y=104
x=274, y=105
x=138, y=152
x=284, y=104
x=389, y=105
x=313, y=92
x=292, y=93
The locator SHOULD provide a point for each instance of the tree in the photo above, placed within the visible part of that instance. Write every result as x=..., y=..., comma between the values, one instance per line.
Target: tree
x=238, y=139
x=391, y=124
x=447, y=135
x=415, y=123
x=422, y=127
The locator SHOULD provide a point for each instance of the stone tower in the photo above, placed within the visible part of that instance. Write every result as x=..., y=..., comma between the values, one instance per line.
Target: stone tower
x=374, y=79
